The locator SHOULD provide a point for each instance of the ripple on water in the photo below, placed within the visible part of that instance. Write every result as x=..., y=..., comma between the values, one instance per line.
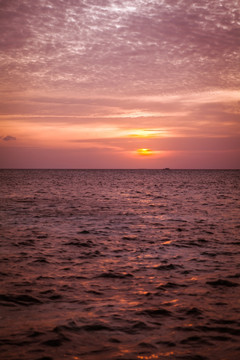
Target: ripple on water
x=110, y=265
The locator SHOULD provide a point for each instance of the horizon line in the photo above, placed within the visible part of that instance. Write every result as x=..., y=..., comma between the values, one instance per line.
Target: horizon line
x=84, y=169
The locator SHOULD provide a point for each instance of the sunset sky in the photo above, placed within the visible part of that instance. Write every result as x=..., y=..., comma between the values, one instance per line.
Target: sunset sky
x=120, y=84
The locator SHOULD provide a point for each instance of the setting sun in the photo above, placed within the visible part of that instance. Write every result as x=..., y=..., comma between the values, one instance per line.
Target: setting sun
x=144, y=152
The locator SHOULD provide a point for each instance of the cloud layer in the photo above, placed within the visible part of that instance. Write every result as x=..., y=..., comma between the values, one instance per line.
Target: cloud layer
x=77, y=72
x=127, y=46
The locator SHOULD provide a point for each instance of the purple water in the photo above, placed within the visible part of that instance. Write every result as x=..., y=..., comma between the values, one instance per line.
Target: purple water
x=119, y=264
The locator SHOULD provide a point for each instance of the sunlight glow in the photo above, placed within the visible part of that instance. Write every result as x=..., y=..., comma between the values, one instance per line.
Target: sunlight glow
x=149, y=133
x=144, y=152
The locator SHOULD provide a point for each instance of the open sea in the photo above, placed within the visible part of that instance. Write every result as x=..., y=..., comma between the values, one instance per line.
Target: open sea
x=119, y=264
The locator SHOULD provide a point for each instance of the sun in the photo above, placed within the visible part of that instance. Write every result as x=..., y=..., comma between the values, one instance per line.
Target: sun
x=144, y=152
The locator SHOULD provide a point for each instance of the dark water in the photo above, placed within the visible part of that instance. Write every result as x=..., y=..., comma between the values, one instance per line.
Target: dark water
x=140, y=264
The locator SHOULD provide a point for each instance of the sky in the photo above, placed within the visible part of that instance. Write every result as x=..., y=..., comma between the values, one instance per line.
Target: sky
x=120, y=84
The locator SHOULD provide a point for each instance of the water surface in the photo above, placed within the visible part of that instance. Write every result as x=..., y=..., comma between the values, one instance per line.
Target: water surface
x=119, y=264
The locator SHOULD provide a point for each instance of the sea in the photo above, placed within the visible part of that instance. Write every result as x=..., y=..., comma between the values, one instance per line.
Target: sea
x=119, y=264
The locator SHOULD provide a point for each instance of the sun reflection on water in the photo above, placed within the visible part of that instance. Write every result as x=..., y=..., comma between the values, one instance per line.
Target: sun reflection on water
x=155, y=356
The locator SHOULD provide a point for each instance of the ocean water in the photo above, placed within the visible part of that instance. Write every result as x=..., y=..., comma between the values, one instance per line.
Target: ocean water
x=119, y=264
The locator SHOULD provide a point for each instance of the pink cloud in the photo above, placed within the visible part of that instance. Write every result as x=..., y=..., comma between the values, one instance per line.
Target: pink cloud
x=170, y=65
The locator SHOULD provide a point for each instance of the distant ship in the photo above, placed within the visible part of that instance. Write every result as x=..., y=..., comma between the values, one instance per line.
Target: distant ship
x=166, y=169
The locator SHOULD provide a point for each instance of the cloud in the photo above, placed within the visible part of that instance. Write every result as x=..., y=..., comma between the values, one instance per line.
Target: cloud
x=71, y=66
x=8, y=138
x=131, y=47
